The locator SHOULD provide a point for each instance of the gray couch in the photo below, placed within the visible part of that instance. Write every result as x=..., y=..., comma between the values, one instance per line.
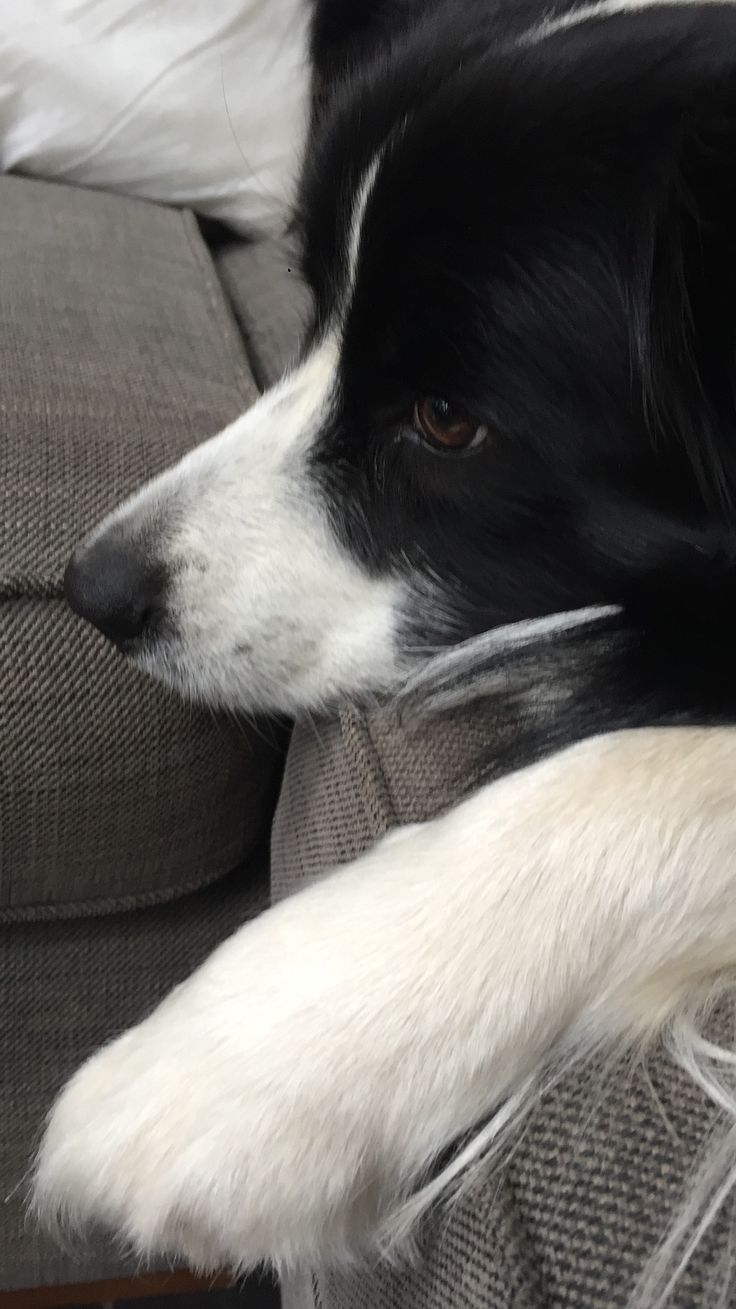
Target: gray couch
x=134, y=831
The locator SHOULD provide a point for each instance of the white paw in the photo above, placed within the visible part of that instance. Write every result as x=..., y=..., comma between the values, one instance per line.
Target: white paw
x=280, y=1103
x=226, y=1129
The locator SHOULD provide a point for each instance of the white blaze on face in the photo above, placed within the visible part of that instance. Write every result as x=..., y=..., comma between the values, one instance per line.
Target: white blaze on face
x=362, y=197
x=599, y=10
x=267, y=607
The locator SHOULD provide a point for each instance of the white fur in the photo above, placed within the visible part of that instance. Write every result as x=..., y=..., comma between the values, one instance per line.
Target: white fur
x=270, y=611
x=595, y=12
x=362, y=197
x=280, y=1104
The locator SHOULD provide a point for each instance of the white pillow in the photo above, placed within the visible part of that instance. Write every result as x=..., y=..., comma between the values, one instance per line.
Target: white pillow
x=196, y=102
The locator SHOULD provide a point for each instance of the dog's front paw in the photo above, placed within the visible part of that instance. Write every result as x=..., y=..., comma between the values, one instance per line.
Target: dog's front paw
x=133, y=1144
x=224, y=1130
x=279, y=1104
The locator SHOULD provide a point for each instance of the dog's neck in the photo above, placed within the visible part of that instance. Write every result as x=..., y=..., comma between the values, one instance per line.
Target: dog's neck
x=556, y=681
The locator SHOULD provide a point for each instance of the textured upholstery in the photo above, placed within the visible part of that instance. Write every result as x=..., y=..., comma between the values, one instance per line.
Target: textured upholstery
x=268, y=298
x=66, y=988
x=118, y=353
x=589, y=1189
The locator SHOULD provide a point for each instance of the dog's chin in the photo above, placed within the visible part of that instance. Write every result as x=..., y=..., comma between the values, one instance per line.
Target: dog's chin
x=233, y=682
x=255, y=680
x=217, y=683
x=165, y=660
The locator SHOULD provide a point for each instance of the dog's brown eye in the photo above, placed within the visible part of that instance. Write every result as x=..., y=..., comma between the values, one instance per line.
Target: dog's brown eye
x=446, y=428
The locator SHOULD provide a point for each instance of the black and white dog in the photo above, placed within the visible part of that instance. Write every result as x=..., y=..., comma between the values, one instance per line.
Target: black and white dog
x=505, y=464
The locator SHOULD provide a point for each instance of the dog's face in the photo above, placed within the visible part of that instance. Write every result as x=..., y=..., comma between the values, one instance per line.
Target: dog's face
x=516, y=394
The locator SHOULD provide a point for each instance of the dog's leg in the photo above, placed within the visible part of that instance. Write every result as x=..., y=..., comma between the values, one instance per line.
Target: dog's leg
x=278, y=1103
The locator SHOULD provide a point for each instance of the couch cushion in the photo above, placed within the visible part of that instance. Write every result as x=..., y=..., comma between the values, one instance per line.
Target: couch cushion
x=593, y=1182
x=68, y=987
x=118, y=353
x=269, y=299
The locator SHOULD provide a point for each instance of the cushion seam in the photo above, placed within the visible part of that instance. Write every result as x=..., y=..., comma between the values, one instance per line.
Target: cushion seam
x=367, y=762
x=218, y=304
x=112, y=904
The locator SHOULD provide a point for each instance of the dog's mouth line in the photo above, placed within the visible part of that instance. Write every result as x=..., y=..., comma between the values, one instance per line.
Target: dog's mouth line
x=153, y=646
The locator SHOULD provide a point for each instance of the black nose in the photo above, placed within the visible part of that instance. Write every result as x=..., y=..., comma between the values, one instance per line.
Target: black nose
x=115, y=586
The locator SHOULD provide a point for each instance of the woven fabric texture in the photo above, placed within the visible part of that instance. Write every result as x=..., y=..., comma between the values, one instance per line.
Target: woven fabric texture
x=591, y=1186
x=268, y=298
x=66, y=988
x=118, y=352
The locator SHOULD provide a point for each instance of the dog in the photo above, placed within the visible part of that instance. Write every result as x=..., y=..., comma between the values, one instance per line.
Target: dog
x=503, y=465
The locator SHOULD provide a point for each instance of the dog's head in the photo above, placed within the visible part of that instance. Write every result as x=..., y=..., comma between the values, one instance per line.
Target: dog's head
x=517, y=393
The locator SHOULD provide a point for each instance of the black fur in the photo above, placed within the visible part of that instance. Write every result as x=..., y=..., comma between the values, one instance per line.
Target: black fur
x=550, y=245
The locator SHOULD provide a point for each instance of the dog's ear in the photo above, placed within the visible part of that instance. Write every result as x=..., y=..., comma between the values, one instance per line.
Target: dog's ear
x=646, y=114
x=642, y=102
x=682, y=274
